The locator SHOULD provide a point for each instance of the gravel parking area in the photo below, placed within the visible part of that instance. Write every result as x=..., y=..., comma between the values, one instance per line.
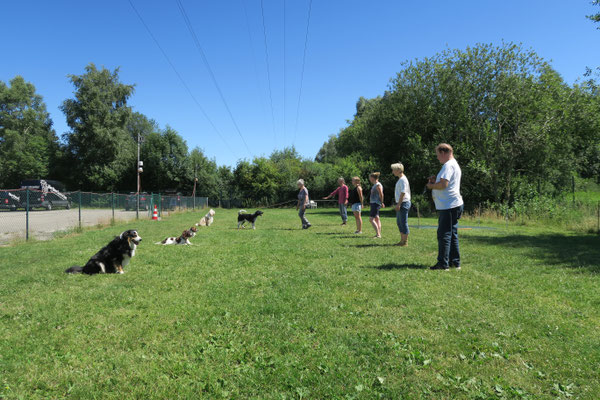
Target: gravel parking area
x=43, y=224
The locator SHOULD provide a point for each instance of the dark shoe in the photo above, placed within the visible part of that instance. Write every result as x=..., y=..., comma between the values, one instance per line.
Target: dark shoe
x=455, y=266
x=439, y=267
x=306, y=226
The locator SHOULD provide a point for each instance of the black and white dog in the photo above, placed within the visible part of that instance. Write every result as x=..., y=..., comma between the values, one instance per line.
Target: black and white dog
x=183, y=239
x=111, y=258
x=243, y=218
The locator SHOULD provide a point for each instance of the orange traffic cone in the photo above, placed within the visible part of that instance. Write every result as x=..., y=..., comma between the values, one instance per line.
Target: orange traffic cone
x=155, y=214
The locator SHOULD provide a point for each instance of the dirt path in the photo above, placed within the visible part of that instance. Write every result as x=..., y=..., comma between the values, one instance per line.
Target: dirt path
x=43, y=224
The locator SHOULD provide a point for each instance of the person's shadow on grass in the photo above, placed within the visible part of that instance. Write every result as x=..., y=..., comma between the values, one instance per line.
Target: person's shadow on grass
x=394, y=266
x=573, y=251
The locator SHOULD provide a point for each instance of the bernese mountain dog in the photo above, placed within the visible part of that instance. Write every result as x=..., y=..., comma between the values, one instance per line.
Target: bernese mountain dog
x=243, y=218
x=111, y=258
x=183, y=239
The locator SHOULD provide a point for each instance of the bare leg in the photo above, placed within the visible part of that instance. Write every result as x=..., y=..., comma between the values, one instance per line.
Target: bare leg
x=358, y=218
x=375, y=225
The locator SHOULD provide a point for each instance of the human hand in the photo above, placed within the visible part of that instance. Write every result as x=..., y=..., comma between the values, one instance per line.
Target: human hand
x=397, y=207
x=431, y=179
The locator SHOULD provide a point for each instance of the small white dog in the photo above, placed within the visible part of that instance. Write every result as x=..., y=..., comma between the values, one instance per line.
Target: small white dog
x=207, y=220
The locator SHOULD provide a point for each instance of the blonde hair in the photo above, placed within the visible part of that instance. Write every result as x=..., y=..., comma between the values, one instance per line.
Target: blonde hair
x=341, y=179
x=357, y=179
x=300, y=182
x=444, y=148
x=375, y=175
x=397, y=167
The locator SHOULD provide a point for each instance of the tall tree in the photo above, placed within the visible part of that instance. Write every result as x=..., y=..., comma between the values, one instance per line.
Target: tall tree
x=166, y=162
x=99, y=145
x=28, y=144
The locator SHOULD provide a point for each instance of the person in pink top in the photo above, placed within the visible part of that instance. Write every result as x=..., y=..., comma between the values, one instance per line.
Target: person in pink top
x=342, y=194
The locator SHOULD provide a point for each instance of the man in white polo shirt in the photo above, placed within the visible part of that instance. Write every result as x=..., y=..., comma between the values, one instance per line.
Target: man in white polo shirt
x=445, y=188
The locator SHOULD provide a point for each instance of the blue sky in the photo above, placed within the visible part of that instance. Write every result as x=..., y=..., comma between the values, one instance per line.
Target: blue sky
x=354, y=48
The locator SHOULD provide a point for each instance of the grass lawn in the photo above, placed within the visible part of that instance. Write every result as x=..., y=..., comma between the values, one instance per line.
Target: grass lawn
x=284, y=313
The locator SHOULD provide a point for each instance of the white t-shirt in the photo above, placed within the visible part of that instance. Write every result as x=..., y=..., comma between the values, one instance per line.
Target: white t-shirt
x=402, y=186
x=449, y=197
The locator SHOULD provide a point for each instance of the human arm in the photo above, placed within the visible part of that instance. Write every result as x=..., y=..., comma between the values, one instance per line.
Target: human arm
x=332, y=194
x=360, y=195
x=440, y=185
x=399, y=203
x=380, y=191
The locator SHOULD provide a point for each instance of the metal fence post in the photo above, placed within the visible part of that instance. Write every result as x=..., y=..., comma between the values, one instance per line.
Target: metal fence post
x=27, y=215
x=112, y=202
x=80, y=209
x=599, y=218
x=137, y=205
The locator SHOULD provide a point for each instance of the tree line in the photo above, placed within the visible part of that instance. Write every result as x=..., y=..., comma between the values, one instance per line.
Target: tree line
x=517, y=127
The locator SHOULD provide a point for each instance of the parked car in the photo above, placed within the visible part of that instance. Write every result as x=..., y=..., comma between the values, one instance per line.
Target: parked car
x=131, y=201
x=45, y=194
x=10, y=200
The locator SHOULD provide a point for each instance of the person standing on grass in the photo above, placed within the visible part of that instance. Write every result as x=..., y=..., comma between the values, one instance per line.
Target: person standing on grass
x=376, y=202
x=445, y=188
x=303, y=202
x=402, y=208
x=355, y=199
x=342, y=194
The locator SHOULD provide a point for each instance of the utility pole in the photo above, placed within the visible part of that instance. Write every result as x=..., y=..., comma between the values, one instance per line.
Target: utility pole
x=194, y=191
x=139, y=168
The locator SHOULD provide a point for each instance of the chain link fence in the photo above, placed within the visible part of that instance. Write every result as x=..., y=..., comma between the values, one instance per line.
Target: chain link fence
x=39, y=214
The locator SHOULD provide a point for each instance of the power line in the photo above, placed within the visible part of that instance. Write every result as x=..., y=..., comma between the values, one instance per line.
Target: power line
x=284, y=72
x=254, y=64
x=302, y=72
x=187, y=88
x=262, y=10
x=208, y=67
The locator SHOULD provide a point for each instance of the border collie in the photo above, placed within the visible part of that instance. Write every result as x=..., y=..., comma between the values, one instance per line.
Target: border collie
x=208, y=219
x=243, y=218
x=183, y=239
x=111, y=258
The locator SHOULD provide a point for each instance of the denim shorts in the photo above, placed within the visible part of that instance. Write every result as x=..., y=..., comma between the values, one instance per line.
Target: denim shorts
x=356, y=207
x=374, y=210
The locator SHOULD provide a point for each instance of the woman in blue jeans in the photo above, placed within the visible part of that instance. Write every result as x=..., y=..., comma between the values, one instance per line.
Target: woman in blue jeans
x=445, y=188
x=402, y=193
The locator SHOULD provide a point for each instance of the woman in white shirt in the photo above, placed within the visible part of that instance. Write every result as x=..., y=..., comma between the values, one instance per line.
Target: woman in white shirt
x=402, y=193
x=445, y=188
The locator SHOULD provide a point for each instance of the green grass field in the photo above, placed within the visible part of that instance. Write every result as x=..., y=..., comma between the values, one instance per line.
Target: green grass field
x=281, y=313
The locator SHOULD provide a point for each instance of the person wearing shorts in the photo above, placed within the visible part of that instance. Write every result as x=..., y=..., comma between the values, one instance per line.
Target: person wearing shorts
x=355, y=199
x=376, y=202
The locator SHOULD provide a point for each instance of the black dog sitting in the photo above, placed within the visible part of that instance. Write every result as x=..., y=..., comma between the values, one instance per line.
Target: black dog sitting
x=243, y=218
x=111, y=258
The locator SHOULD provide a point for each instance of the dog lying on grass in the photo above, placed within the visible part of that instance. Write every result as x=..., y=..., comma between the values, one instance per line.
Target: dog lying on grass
x=243, y=217
x=183, y=239
x=208, y=219
x=111, y=258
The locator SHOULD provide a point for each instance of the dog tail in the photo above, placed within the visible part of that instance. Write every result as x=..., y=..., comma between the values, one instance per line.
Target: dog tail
x=75, y=269
x=241, y=212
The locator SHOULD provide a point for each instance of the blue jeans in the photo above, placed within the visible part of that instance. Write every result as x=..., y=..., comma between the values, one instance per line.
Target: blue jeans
x=402, y=217
x=447, y=233
x=343, y=212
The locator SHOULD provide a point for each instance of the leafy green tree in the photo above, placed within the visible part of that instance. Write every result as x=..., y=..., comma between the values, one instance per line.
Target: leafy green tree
x=503, y=108
x=28, y=144
x=205, y=170
x=99, y=146
x=166, y=162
